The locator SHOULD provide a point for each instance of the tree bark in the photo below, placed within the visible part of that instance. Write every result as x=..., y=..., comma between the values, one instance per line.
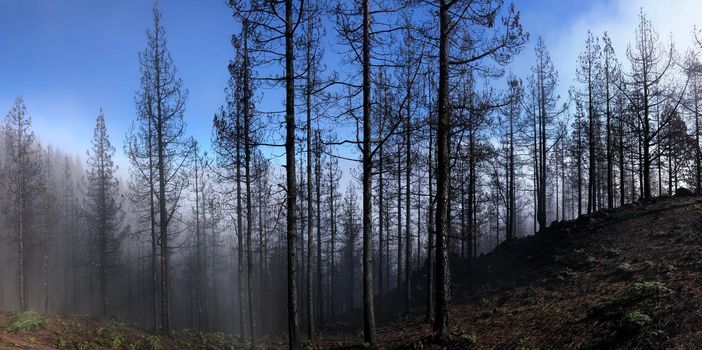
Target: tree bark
x=441, y=322
x=408, y=172
x=291, y=183
x=247, y=180
x=368, y=308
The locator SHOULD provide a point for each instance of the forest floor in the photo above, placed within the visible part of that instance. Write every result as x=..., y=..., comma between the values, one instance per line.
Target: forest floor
x=620, y=279
x=628, y=278
x=31, y=331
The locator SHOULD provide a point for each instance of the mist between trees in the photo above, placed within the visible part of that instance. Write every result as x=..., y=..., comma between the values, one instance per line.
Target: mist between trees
x=454, y=157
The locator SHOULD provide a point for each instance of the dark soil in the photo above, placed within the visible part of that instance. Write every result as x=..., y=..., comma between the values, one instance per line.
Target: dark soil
x=621, y=279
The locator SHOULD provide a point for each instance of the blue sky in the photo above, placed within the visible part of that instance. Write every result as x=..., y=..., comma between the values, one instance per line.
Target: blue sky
x=70, y=58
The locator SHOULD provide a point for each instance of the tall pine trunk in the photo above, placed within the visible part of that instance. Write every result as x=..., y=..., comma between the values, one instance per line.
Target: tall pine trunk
x=291, y=182
x=441, y=322
x=368, y=308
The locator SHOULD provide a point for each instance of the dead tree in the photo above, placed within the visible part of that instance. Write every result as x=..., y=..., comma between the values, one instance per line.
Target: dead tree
x=643, y=88
x=21, y=174
x=103, y=206
x=162, y=99
x=508, y=39
x=589, y=71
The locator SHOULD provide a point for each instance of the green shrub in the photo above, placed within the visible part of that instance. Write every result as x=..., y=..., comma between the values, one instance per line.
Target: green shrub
x=625, y=268
x=26, y=321
x=649, y=289
x=116, y=341
x=153, y=342
x=635, y=321
x=471, y=338
x=109, y=337
x=62, y=343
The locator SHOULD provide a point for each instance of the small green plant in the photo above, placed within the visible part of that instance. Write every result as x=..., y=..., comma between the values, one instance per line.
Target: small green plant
x=649, y=289
x=658, y=333
x=202, y=339
x=26, y=321
x=116, y=341
x=625, y=268
x=609, y=252
x=153, y=342
x=62, y=343
x=565, y=274
x=471, y=338
x=109, y=337
x=649, y=264
x=83, y=345
x=635, y=321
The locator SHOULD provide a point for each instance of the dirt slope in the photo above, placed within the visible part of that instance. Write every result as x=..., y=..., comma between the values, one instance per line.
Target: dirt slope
x=624, y=279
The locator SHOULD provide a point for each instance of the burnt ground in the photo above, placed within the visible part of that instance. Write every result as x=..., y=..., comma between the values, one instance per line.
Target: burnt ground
x=622, y=279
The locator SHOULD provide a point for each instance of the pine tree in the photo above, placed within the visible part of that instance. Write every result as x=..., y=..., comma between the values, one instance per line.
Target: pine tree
x=649, y=64
x=589, y=71
x=484, y=49
x=161, y=104
x=22, y=181
x=103, y=206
